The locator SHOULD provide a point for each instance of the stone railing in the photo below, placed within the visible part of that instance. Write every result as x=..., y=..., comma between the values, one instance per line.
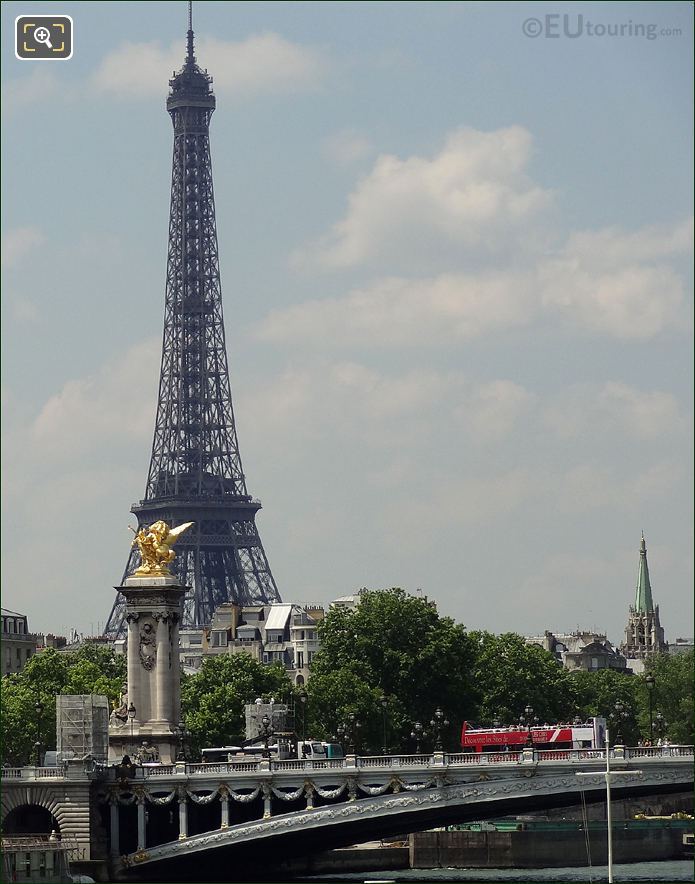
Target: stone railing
x=391, y=762
x=32, y=773
x=252, y=767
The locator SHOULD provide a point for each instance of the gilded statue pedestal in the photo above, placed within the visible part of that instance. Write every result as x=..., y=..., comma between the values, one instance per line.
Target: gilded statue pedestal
x=150, y=708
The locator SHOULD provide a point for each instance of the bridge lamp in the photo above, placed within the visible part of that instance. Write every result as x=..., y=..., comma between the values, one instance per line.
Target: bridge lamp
x=620, y=715
x=384, y=703
x=132, y=712
x=303, y=697
x=438, y=723
x=37, y=745
x=527, y=719
x=650, y=682
x=417, y=733
x=266, y=734
x=660, y=725
x=352, y=727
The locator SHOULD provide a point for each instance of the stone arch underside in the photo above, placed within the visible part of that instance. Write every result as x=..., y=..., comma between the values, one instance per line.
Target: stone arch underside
x=349, y=822
x=37, y=796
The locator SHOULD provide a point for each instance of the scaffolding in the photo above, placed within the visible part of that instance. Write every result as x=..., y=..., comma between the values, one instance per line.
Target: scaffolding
x=82, y=726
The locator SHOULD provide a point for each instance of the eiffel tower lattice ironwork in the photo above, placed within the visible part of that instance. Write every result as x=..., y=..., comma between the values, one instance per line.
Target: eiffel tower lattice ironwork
x=195, y=471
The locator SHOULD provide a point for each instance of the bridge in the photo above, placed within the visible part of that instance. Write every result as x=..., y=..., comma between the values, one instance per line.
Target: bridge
x=172, y=821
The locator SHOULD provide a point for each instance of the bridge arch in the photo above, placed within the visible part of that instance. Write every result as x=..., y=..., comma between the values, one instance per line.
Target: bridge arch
x=28, y=819
x=40, y=798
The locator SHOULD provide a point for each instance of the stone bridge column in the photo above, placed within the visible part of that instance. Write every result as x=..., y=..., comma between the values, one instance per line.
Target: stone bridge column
x=267, y=802
x=224, y=802
x=115, y=847
x=164, y=698
x=142, y=836
x=183, y=813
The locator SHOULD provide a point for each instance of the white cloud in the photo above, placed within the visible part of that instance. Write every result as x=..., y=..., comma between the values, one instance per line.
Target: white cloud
x=24, y=310
x=116, y=403
x=401, y=312
x=40, y=85
x=493, y=409
x=472, y=193
x=633, y=302
x=262, y=63
x=617, y=282
x=19, y=243
x=611, y=247
x=585, y=284
x=346, y=147
x=593, y=411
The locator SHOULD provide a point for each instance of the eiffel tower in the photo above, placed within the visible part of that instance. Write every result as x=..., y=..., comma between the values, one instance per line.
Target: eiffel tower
x=195, y=470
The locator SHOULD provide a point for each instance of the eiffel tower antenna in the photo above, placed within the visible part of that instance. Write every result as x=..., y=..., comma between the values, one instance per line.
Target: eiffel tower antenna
x=190, y=58
x=195, y=473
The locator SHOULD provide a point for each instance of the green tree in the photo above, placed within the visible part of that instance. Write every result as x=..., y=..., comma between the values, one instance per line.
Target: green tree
x=510, y=674
x=213, y=699
x=396, y=646
x=89, y=670
x=672, y=696
x=599, y=693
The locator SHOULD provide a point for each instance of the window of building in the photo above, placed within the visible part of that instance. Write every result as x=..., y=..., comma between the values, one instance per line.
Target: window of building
x=219, y=638
x=300, y=659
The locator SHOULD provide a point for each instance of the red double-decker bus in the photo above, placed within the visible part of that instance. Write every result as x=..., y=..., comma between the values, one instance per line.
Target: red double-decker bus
x=590, y=734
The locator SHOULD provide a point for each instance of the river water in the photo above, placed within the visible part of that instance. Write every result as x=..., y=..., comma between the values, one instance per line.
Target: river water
x=667, y=872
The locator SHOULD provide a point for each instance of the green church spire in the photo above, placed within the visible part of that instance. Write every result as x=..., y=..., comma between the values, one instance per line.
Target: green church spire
x=643, y=594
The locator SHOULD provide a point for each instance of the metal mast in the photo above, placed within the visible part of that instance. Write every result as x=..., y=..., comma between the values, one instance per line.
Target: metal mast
x=195, y=470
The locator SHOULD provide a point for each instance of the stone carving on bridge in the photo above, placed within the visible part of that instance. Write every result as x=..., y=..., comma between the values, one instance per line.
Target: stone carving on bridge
x=119, y=714
x=148, y=646
x=288, y=796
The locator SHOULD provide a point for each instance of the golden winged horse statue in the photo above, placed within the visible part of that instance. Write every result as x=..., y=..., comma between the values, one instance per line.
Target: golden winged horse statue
x=154, y=543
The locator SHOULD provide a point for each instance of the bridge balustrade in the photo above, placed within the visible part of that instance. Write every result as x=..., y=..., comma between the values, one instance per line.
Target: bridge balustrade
x=160, y=770
x=32, y=773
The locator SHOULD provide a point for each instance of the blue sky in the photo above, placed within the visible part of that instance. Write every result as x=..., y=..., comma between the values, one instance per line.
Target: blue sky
x=457, y=290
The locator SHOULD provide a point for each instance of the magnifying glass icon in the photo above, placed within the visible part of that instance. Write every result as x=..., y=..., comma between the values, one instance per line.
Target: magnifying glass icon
x=43, y=35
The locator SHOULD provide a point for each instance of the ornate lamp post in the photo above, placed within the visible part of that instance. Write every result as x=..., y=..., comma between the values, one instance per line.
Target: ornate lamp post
x=619, y=715
x=303, y=697
x=438, y=723
x=650, y=682
x=352, y=727
x=340, y=735
x=660, y=725
x=266, y=733
x=384, y=704
x=527, y=719
x=37, y=745
x=181, y=736
x=132, y=712
x=417, y=733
